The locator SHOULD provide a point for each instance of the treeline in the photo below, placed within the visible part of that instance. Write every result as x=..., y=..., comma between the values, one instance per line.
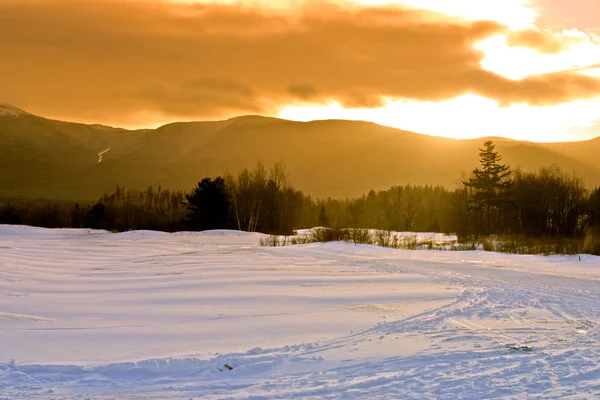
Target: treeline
x=152, y=209
x=43, y=213
x=492, y=200
x=262, y=200
x=544, y=203
x=123, y=210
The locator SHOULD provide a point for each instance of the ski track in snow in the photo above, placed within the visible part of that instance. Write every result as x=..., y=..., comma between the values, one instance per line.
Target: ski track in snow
x=148, y=315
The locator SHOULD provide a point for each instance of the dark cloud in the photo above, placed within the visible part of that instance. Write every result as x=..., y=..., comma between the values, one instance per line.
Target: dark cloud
x=105, y=60
x=303, y=92
x=210, y=96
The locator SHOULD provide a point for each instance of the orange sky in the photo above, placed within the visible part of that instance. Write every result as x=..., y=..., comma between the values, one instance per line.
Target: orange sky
x=463, y=68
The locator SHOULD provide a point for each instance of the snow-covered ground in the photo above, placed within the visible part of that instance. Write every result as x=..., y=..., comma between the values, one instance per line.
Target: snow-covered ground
x=94, y=315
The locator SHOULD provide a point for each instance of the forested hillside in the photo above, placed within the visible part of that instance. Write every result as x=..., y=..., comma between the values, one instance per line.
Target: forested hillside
x=41, y=158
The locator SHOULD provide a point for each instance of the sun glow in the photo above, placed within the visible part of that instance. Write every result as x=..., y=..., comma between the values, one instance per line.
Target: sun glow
x=189, y=80
x=580, y=52
x=516, y=14
x=465, y=117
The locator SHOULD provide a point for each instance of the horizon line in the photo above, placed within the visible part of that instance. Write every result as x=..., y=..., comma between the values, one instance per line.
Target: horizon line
x=130, y=128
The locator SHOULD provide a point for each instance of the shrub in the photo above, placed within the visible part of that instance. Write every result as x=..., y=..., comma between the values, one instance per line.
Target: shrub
x=361, y=236
x=591, y=242
x=522, y=244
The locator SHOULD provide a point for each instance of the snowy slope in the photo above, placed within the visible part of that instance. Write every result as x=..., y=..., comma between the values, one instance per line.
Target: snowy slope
x=90, y=314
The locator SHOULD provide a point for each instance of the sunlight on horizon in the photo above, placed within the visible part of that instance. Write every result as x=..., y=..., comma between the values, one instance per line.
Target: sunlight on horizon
x=465, y=117
x=473, y=116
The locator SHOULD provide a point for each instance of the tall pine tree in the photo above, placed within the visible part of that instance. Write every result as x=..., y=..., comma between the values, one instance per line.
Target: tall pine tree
x=489, y=186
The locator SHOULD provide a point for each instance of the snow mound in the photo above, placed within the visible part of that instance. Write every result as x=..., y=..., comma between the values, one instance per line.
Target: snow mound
x=24, y=230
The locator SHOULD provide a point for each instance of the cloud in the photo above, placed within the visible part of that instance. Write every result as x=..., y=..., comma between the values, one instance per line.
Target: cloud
x=212, y=96
x=110, y=60
x=544, y=42
x=303, y=92
x=547, y=42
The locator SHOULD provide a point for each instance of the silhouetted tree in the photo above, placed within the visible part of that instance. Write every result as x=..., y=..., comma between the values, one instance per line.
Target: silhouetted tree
x=95, y=218
x=247, y=193
x=594, y=207
x=550, y=203
x=489, y=186
x=10, y=215
x=263, y=201
x=208, y=205
x=77, y=216
x=323, y=218
x=411, y=203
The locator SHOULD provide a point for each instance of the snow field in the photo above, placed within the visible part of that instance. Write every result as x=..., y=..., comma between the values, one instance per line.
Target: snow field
x=90, y=314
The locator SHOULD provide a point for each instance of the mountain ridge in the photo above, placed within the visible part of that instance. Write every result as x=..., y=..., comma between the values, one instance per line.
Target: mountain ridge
x=41, y=157
x=8, y=106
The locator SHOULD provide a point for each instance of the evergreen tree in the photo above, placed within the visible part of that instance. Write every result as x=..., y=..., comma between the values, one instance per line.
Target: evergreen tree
x=489, y=186
x=94, y=218
x=323, y=218
x=208, y=205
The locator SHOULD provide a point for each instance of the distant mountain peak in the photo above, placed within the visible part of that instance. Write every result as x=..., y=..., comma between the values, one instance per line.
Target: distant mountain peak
x=11, y=111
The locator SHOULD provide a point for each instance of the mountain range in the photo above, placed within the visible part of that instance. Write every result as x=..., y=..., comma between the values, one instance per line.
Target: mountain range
x=44, y=158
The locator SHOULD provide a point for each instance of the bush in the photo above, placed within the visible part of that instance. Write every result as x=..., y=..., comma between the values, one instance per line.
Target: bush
x=465, y=246
x=522, y=244
x=322, y=235
x=591, y=242
x=274, y=241
x=360, y=236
